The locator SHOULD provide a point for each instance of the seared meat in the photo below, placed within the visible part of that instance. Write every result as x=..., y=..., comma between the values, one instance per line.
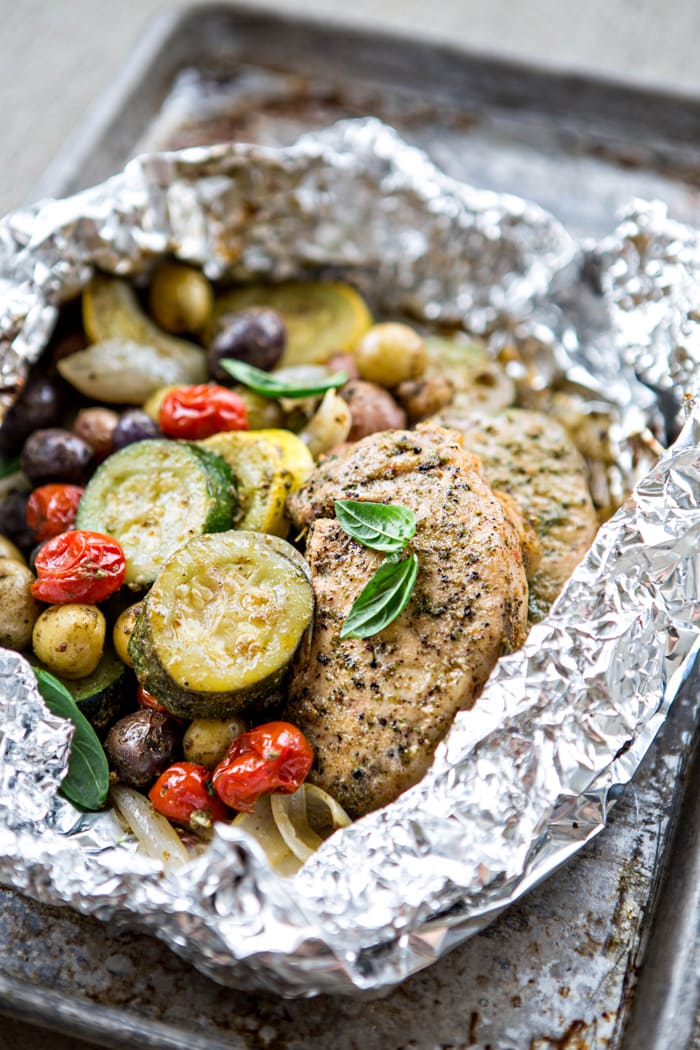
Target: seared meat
x=375, y=709
x=532, y=458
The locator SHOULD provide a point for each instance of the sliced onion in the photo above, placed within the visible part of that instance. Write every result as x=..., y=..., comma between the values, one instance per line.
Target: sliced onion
x=120, y=372
x=156, y=835
x=307, y=817
x=291, y=819
x=261, y=826
x=325, y=814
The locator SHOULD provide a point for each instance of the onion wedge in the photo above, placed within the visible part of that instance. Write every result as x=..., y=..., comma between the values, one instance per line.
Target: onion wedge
x=156, y=835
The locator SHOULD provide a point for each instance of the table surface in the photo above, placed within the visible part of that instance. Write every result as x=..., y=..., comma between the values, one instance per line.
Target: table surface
x=56, y=57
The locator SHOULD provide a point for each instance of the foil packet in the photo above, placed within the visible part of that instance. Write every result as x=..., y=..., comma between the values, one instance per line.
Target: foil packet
x=524, y=779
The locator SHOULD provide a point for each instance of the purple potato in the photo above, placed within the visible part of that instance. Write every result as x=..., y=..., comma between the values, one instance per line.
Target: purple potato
x=13, y=518
x=39, y=406
x=56, y=455
x=256, y=337
x=142, y=745
x=134, y=425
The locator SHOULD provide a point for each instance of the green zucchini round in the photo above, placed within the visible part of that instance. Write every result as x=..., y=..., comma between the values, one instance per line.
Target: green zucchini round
x=221, y=623
x=154, y=496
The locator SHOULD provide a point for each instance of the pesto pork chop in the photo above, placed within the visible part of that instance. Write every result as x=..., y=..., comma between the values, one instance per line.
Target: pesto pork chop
x=375, y=709
x=532, y=458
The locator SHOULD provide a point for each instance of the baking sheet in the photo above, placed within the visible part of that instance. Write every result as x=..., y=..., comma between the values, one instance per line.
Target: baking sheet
x=533, y=979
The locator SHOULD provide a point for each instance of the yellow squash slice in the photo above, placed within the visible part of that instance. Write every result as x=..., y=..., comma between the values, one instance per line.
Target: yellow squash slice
x=262, y=480
x=321, y=317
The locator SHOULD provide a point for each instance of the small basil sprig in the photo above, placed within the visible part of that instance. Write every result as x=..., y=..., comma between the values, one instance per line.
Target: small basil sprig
x=382, y=599
x=87, y=781
x=267, y=385
x=387, y=528
x=381, y=526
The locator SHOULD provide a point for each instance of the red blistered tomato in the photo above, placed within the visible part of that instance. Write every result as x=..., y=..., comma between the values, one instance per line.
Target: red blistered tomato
x=147, y=700
x=183, y=790
x=78, y=566
x=51, y=509
x=195, y=412
x=272, y=758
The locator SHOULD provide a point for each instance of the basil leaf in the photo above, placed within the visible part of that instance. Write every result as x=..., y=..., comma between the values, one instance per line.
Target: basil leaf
x=87, y=781
x=9, y=466
x=382, y=599
x=381, y=526
x=265, y=383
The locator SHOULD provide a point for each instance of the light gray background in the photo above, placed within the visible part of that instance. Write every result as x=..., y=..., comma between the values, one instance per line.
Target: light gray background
x=57, y=55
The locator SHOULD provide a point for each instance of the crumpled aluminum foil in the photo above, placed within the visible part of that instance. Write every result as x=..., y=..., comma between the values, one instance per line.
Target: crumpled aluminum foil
x=526, y=778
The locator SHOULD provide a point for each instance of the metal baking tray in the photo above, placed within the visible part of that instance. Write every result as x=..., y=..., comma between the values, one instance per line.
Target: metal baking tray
x=602, y=953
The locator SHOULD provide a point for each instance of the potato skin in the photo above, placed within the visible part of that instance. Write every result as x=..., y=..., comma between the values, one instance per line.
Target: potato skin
x=142, y=745
x=10, y=550
x=122, y=632
x=390, y=353
x=19, y=609
x=425, y=396
x=207, y=740
x=180, y=298
x=372, y=409
x=69, y=639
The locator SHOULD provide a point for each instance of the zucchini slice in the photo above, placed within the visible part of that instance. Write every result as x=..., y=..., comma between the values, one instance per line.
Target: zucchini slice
x=266, y=471
x=321, y=317
x=262, y=483
x=154, y=496
x=221, y=623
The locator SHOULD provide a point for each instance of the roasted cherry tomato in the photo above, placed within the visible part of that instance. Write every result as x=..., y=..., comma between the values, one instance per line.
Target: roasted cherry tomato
x=275, y=757
x=195, y=412
x=184, y=794
x=78, y=566
x=148, y=701
x=51, y=509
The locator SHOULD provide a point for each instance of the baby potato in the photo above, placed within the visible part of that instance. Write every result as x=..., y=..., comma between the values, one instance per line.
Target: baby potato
x=181, y=299
x=372, y=409
x=425, y=396
x=96, y=426
x=9, y=550
x=69, y=639
x=390, y=353
x=122, y=632
x=207, y=739
x=18, y=608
